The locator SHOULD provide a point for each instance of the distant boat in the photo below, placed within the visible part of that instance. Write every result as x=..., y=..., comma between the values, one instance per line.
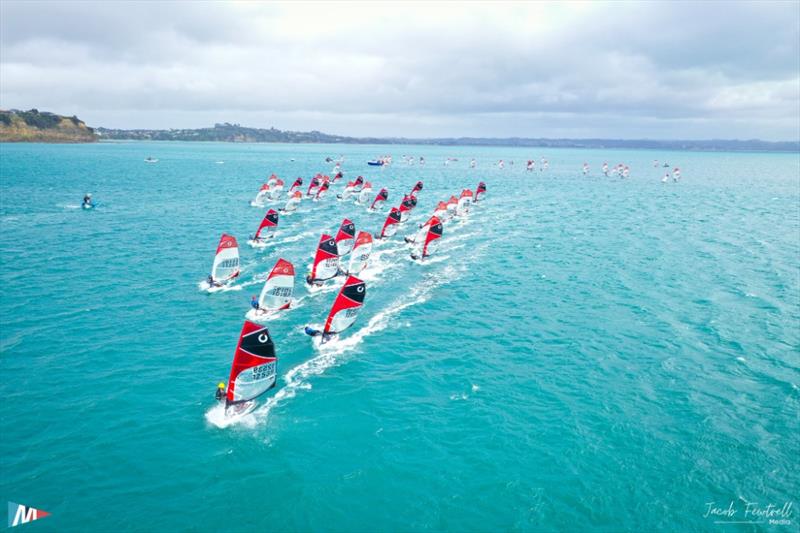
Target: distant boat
x=151, y=160
x=375, y=163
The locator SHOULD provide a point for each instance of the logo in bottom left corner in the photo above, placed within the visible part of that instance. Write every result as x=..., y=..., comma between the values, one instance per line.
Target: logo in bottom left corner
x=19, y=514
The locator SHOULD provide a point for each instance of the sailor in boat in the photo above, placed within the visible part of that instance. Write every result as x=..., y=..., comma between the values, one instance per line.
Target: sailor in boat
x=220, y=393
x=254, y=303
x=211, y=282
x=87, y=200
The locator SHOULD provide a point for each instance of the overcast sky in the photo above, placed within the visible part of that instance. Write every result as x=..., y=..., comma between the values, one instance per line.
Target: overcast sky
x=613, y=70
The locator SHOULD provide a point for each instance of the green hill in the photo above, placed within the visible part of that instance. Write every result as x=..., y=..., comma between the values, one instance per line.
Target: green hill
x=36, y=126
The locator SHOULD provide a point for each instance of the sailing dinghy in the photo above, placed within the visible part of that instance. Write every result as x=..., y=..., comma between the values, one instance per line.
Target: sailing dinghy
x=424, y=247
x=480, y=191
x=441, y=210
x=253, y=371
x=464, y=203
x=345, y=237
x=276, y=295
x=406, y=206
x=226, y=262
x=390, y=226
x=276, y=189
x=364, y=195
x=359, y=256
x=347, y=192
x=293, y=202
x=422, y=232
x=266, y=230
x=295, y=186
x=380, y=198
x=312, y=187
x=452, y=206
x=344, y=311
x=326, y=262
x=261, y=197
x=322, y=191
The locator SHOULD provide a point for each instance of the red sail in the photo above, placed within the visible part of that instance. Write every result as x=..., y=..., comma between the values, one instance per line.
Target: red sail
x=344, y=237
x=434, y=232
x=226, y=241
x=381, y=197
x=254, y=365
x=313, y=185
x=390, y=226
x=345, y=307
x=322, y=189
x=270, y=221
x=326, y=260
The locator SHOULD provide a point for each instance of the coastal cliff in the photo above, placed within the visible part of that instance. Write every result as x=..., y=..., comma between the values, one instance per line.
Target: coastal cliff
x=36, y=126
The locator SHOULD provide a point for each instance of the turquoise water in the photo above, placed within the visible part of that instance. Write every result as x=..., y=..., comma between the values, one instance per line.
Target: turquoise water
x=584, y=353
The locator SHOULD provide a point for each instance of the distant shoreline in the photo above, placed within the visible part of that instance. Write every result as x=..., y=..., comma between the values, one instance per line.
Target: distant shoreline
x=410, y=142
x=236, y=133
x=36, y=126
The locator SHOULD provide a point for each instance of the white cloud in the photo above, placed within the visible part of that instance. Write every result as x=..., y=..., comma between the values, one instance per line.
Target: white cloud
x=415, y=69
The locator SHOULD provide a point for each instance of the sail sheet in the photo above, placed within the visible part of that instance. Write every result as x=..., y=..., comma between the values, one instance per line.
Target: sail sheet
x=296, y=185
x=381, y=197
x=276, y=189
x=268, y=225
x=435, y=229
x=254, y=365
x=322, y=191
x=480, y=191
x=452, y=206
x=390, y=226
x=345, y=307
x=419, y=237
x=464, y=202
x=277, y=291
x=313, y=186
x=405, y=208
x=348, y=191
x=226, y=260
x=326, y=260
x=441, y=210
x=366, y=192
x=359, y=257
x=262, y=195
x=294, y=201
x=345, y=237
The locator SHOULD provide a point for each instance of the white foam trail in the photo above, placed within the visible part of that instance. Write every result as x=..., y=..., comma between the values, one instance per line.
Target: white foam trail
x=261, y=244
x=297, y=237
x=268, y=317
x=203, y=286
x=328, y=353
x=216, y=416
x=328, y=286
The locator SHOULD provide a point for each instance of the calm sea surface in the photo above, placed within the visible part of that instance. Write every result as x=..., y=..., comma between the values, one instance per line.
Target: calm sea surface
x=582, y=353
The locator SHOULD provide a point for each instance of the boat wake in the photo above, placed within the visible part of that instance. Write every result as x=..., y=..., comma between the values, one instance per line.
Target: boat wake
x=203, y=286
x=330, y=354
